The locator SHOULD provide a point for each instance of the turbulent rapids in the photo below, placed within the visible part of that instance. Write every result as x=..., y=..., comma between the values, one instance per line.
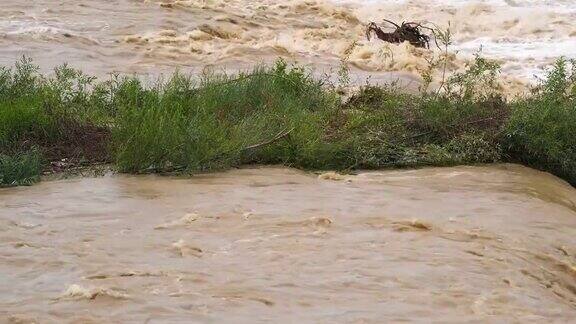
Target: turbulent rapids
x=260, y=245
x=149, y=36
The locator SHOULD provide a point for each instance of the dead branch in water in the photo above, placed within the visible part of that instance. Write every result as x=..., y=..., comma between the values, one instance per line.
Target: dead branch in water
x=406, y=32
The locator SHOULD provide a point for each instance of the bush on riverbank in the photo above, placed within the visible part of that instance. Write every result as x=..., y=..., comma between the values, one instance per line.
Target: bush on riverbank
x=20, y=169
x=281, y=114
x=541, y=130
x=212, y=123
x=64, y=116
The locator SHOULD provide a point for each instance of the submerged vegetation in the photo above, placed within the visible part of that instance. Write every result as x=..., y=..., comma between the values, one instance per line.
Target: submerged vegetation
x=278, y=114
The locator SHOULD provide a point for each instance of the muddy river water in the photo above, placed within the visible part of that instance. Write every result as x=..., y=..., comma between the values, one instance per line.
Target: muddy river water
x=255, y=245
x=157, y=36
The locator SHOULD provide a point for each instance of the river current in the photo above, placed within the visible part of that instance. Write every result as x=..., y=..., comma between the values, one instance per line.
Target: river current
x=260, y=245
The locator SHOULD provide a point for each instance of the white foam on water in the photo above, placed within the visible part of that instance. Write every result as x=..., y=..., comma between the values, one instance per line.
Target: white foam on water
x=526, y=35
x=531, y=51
x=16, y=27
x=548, y=4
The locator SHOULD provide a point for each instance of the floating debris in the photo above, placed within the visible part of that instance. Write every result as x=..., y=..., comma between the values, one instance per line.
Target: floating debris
x=406, y=32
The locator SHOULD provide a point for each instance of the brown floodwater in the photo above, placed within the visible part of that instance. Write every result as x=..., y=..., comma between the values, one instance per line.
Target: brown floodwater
x=463, y=244
x=151, y=37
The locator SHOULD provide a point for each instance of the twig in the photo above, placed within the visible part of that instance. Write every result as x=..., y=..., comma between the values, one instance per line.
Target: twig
x=278, y=137
x=391, y=22
x=446, y=39
x=453, y=125
x=250, y=76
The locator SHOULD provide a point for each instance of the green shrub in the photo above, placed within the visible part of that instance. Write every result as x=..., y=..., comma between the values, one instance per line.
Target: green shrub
x=280, y=115
x=541, y=130
x=177, y=125
x=20, y=169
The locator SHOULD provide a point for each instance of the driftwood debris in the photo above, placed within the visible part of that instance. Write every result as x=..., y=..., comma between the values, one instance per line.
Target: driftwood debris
x=406, y=32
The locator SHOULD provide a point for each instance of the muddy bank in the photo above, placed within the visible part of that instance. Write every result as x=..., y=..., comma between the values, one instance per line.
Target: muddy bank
x=271, y=244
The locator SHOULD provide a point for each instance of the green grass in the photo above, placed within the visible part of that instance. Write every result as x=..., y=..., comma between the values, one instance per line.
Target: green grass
x=21, y=169
x=541, y=130
x=280, y=115
x=209, y=125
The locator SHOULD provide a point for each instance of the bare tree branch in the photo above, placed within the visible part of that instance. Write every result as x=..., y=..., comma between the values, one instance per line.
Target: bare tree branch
x=278, y=137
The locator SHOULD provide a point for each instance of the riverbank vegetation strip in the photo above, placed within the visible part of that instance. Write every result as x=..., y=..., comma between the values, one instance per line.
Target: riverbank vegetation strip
x=278, y=114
